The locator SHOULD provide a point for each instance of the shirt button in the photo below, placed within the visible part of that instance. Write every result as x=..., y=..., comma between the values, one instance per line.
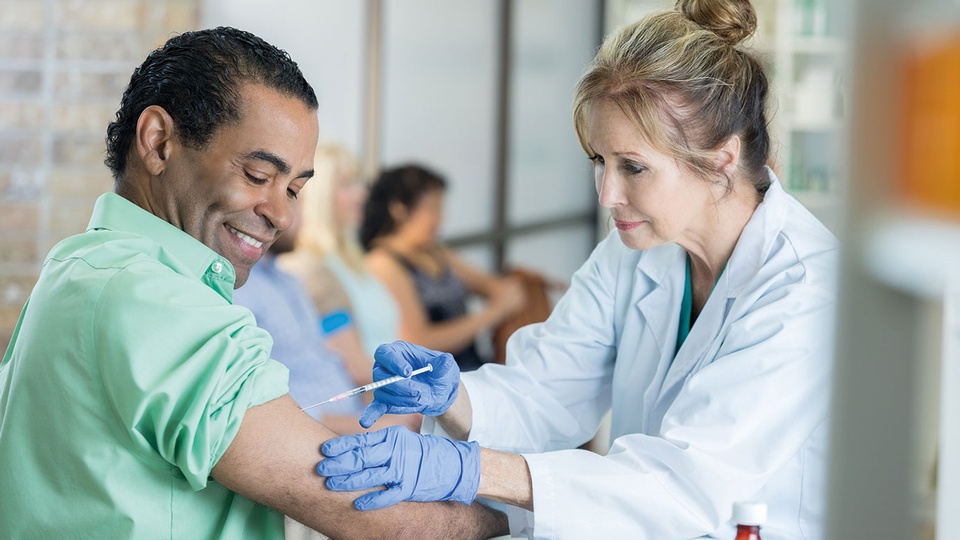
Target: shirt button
x=217, y=267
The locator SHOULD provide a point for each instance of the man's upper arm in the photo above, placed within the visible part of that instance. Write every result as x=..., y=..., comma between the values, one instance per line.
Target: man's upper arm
x=273, y=459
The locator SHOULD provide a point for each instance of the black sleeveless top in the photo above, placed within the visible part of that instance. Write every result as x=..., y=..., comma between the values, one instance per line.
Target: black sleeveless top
x=444, y=298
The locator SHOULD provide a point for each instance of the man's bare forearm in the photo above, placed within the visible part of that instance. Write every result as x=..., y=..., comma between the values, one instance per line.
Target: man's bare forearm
x=273, y=459
x=449, y=520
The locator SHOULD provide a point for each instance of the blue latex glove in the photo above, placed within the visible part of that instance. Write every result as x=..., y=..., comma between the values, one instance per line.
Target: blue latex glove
x=429, y=393
x=413, y=467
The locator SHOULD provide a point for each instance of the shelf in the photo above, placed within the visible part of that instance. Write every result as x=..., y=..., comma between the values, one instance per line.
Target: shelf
x=831, y=125
x=919, y=256
x=816, y=199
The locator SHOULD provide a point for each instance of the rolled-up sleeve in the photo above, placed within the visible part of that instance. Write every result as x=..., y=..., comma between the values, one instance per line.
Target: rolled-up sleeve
x=180, y=366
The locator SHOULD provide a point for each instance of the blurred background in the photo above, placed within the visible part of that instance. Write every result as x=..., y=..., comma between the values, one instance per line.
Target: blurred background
x=865, y=114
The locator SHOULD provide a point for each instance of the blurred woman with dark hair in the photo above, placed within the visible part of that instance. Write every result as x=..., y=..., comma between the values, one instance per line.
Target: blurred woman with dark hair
x=431, y=284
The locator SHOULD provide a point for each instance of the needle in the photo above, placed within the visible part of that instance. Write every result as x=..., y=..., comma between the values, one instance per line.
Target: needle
x=372, y=386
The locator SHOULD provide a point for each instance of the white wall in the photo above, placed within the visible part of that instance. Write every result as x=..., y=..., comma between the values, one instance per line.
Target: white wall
x=327, y=39
x=439, y=100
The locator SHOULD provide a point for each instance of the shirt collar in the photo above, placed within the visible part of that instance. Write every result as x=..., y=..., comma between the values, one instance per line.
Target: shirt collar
x=178, y=250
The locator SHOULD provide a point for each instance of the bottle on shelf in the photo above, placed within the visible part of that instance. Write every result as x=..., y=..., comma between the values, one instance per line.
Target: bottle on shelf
x=930, y=123
x=749, y=517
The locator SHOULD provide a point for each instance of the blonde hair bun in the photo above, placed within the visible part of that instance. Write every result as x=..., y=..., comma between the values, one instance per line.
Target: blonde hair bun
x=732, y=20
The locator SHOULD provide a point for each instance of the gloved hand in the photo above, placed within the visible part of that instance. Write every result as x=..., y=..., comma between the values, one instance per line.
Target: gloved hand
x=413, y=467
x=430, y=393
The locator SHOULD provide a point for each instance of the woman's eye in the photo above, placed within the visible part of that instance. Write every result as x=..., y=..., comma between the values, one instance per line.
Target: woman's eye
x=292, y=194
x=632, y=168
x=597, y=159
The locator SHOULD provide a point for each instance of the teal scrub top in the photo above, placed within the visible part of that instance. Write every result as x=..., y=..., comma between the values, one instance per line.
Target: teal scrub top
x=686, y=309
x=127, y=378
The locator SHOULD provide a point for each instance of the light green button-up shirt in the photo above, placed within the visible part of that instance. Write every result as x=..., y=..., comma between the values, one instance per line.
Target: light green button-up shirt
x=127, y=378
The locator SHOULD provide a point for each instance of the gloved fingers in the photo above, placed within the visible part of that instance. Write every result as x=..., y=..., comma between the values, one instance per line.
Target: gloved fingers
x=379, y=372
x=394, y=401
x=399, y=354
x=372, y=413
x=389, y=358
x=365, y=479
x=356, y=460
x=419, y=356
x=346, y=443
x=443, y=363
x=343, y=464
x=403, y=389
x=379, y=499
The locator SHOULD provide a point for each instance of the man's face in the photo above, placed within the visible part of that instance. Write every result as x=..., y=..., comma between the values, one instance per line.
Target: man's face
x=237, y=193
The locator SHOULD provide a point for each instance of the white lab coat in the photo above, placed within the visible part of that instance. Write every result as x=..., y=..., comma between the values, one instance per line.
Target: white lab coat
x=739, y=413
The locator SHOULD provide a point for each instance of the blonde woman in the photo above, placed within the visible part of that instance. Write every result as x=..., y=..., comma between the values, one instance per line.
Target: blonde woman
x=357, y=311
x=703, y=322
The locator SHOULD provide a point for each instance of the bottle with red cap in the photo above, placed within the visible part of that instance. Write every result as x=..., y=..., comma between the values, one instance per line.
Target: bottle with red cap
x=749, y=517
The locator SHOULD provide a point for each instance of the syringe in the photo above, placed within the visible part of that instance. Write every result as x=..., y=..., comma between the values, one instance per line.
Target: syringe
x=372, y=386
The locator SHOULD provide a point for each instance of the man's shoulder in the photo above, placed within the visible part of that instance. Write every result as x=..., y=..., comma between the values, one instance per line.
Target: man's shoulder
x=117, y=261
x=105, y=249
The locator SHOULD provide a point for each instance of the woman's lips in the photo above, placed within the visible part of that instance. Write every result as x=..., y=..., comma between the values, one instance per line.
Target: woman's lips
x=627, y=225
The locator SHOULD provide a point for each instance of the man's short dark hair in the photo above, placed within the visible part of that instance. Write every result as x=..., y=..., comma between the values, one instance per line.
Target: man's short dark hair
x=196, y=77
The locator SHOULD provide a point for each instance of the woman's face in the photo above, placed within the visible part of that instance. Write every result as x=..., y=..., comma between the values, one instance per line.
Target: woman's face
x=349, y=195
x=422, y=223
x=652, y=199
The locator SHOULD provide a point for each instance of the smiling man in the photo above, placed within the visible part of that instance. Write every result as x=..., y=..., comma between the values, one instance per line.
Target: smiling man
x=136, y=401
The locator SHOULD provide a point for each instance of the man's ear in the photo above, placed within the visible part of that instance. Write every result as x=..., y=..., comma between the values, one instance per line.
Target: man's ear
x=154, y=138
x=728, y=156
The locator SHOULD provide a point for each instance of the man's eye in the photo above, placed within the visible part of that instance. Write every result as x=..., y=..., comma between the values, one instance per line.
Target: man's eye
x=255, y=179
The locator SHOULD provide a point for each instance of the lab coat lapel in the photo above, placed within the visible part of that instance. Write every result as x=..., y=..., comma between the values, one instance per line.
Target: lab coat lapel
x=703, y=339
x=706, y=336
x=658, y=268
x=659, y=310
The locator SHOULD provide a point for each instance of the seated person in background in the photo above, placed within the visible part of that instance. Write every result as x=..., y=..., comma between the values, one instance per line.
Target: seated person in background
x=430, y=283
x=283, y=308
x=358, y=312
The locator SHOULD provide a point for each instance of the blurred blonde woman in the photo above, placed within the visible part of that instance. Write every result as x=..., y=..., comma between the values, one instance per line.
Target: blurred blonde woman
x=357, y=312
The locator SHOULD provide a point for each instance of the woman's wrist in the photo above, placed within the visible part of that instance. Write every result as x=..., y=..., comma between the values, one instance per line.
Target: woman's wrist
x=505, y=478
x=457, y=421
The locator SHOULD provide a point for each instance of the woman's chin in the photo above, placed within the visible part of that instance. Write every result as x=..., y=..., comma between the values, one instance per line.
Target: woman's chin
x=639, y=242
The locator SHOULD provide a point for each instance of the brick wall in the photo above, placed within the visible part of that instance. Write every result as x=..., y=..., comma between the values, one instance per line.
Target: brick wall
x=63, y=68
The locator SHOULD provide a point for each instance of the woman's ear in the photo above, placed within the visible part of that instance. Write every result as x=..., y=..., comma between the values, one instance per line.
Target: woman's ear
x=728, y=156
x=154, y=139
x=398, y=212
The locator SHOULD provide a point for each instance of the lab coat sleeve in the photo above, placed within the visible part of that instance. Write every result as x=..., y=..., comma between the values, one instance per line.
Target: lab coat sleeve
x=733, y=425
x=556, y=384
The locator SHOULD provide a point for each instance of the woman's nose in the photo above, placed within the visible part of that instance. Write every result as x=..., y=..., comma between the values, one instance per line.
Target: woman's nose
x=609, y=190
